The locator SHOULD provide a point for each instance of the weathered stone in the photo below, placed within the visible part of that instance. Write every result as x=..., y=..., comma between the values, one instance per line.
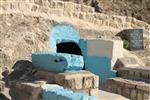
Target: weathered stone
x=146, y=96
x=25, y=91
x=79, y=83
x=133, y=95
x=96, y=82
x=111, y=86
x=34, y=8
x=119, y=90
x=76, y=81
x=2, y=85
x=141, y=74
x=87, y=82
x=94, y=92
x=143, y=86
x=132, y=89
x=126, y=92
x=140, y=95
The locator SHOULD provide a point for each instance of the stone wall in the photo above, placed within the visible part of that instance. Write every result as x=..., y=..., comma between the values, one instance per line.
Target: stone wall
x=45, y=9
x=139, y=74
x=39, y=90
x=82, y=81
x=130, y=89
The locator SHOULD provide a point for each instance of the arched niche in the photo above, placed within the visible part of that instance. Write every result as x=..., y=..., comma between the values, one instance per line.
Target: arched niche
x=65, y=39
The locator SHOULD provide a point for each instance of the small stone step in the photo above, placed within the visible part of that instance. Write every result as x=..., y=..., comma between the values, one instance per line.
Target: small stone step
x=82, y=81
x=134, y=90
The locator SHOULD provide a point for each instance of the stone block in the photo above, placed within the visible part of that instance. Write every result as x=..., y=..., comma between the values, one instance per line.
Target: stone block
x=94, y=92
x=57, y=62
x=79, y=83
x=34, y=8
x=143, y=86
x=59, y=93
x=82, y=15
x=126, y=92
x=4, y=5
x=129, y=62
x=76, y=81
x=88, y=82
x=43, y=9
x=2, y=85
x=111, y=85
x=133, y=95
x=106, y=48
x=14, y=6
x=25, y=90
x=119, y=90
x=60, y=4
x=133, y=89
x=69, y=6
x=24, y=7
x=140, y=74
x=96, y=82
x=140, y=95
x=146, y=96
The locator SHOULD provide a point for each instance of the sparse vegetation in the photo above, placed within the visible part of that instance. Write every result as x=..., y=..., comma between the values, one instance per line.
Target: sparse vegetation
x=126, y=44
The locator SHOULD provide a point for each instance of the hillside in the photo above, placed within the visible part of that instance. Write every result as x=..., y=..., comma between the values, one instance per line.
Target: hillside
x=139, y=9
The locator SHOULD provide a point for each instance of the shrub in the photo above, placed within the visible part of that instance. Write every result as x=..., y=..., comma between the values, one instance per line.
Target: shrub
x=126, y=44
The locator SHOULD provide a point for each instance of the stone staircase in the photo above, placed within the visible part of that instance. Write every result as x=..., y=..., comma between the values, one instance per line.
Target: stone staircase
x=133, y=83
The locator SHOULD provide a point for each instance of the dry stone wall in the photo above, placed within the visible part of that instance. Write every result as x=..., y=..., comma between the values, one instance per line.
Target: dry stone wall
x=130, y=89
x=46, y=8
x=139, y=74
x=83, y=81
x=26, y=13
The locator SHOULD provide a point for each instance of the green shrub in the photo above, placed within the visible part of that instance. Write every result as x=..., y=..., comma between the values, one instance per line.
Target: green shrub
x=126, y=44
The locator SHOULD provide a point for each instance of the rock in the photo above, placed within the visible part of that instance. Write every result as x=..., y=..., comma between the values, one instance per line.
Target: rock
x=23, y=70
x=25, y=90
x=2, y=86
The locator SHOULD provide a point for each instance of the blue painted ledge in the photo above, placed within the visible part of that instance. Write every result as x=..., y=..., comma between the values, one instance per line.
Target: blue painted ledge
x=57, y=62
x=59, y=93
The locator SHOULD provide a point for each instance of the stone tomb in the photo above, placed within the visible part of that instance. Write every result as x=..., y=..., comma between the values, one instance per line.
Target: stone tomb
x=71, y=53
x=65, y=52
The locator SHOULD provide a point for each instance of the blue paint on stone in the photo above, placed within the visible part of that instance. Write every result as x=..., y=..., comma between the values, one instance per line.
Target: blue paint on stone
x=63, y=33
x=100, y=66
x=60, y=93
x=83, y=46
x=57, y=62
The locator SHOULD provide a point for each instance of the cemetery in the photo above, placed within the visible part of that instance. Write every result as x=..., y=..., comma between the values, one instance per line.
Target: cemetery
x=57, y=61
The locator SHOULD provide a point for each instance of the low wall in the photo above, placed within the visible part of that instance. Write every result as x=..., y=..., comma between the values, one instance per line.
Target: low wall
x=130, y=89
x=59, y=93
x=39, y=90
x=139, y=74
x=82, y=81
x=45, y=9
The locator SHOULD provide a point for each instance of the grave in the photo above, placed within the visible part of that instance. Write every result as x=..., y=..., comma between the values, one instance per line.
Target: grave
x=65, y=52
x=135, y=38
x=71, y=53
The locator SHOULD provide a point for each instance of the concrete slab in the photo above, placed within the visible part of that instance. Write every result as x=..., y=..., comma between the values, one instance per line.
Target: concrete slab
x=103, y=95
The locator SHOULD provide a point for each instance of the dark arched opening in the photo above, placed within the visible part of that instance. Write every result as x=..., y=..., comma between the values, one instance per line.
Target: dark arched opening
x=69, y=47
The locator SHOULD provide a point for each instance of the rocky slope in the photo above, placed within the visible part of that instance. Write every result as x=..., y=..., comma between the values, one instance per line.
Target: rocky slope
x=139, y=9
x=24, y=26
